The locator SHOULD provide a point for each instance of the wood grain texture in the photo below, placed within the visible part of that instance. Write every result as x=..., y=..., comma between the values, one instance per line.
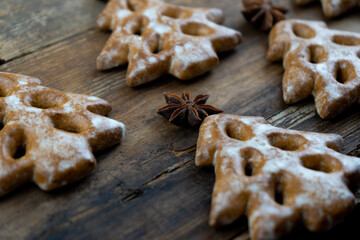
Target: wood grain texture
x=27, y=26
x=148, y=187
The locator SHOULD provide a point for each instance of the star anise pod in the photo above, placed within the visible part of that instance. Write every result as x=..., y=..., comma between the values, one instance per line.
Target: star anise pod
x=263, y=13
x=184, y=111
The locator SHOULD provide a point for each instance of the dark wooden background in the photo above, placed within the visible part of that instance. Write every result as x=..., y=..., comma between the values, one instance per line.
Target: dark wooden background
x=148, y=187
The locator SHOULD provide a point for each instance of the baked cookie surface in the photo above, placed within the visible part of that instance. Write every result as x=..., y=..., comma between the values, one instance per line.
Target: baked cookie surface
x=278, y=178
x=318, y=61
x=156, y=38
x=47, y=135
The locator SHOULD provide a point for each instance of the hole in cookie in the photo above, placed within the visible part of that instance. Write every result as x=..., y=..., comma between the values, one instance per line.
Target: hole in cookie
x=196, y=29
x=317, y=54
x=344, y=72
x=252, y=160
x=2, y=117
x=7, y=85
x=339, y=75
x=333, y=146
x=2, y=121
x=3, y=92
x=44, y=100
x=321, y=162
x=138, y=31
x=137, y=26
x=249, y=169
x=155, y=45
x=99, y=109
x=303, y=31
x=176, y=12
x=247, y=155
x=278, y=192
x=286, y=142
x=16, y=143
x=346, y=40
x=157, y=50
x=69, y=123
x=172, y=12
x=130, y=5
x=239, y=131
x=20, y=151
x=358, y=54
x=2, y=124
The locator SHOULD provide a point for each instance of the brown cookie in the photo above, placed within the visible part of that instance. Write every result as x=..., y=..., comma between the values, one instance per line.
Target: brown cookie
x=47, y=135
x=278, y=178
x=333, y=8
x=318, y=61
x=156, y=38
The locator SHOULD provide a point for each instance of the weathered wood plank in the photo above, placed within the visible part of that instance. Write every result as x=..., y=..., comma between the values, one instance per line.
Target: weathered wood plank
x=148, y=187
x=27, y=26
x=149, y=218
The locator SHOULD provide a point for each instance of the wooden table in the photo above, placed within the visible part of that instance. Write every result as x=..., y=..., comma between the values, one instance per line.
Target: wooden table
x=148, y=187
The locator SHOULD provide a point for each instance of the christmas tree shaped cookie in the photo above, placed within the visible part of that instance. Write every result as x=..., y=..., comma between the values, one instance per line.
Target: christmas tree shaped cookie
x=318, y=61
x=47, y=136
x=333, y=8
x=278, y=178
x=156, y=38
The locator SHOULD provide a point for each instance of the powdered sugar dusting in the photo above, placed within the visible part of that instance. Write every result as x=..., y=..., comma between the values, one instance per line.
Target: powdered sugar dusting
x=188, y=37
x=106, y=123
x=159, y=28
x=122, y=13
x=56, y=153
x=321, y=55
x=304, y=188
x=189, y=54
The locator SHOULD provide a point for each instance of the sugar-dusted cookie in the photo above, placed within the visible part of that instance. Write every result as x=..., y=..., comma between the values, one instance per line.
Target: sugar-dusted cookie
x=278, y=178
x=318, y=61
x=333, y=8
x=156, y=38
x=47, y=135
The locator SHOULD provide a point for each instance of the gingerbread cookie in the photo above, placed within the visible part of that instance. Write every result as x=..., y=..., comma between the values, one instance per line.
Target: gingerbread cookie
x=278, y=178
x=47, y=135
x=318, y=61
x=333, y=8
x=156, y=38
